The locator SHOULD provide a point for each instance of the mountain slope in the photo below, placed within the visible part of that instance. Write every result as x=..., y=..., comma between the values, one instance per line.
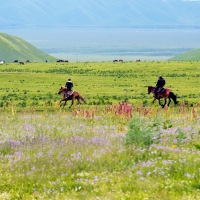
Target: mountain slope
x=193, y=55
x=14, y=48
x=101, y=13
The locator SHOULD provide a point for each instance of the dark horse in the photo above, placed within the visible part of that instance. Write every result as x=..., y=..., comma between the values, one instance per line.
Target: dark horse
x=72, y=97
x=165, y=93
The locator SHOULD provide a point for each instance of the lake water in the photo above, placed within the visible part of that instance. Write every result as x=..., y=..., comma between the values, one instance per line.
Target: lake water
x=110, y=44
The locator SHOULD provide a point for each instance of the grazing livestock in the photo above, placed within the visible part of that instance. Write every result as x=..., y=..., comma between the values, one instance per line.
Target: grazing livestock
x=115, y=60
x=138, y=60
x=120, y=60
x=2, y=62
x=21, y=63
x=15, y=61
x=27, y=61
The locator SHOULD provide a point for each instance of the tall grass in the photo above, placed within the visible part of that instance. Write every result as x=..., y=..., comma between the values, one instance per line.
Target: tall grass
x=113, y=152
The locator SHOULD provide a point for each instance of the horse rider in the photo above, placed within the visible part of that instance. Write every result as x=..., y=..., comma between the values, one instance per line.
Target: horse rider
x=160, y=84
x=69, y=86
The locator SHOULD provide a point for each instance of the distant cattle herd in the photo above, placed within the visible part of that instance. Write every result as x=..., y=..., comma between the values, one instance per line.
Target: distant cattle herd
x=62, y=61
x=120, y=60
x=27, y=61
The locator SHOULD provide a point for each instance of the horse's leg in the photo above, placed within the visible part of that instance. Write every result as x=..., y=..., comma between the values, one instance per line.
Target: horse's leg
x=72, y=102
x=161, y=103
x=164, y=103
x=79, y=102
x=154, y=100
x=61, y=102
x=64, y=104
x=169, y=101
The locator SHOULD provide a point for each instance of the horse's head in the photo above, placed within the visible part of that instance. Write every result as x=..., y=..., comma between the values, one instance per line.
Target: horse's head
x=150, y=89
x=62, y=89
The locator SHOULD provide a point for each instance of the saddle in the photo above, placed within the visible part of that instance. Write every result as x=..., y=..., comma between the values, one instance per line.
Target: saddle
x=161, y=90
x=68, y=94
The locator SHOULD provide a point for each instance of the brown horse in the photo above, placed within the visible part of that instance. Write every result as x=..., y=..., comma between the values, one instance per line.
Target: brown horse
x=72, y=97
x=165, y=93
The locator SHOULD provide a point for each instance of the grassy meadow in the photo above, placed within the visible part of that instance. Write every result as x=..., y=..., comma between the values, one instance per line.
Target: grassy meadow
x=105, y=149
x=37, y=84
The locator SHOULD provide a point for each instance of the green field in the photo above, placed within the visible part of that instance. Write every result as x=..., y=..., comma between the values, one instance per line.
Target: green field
x=37, y=84
x=104, y=150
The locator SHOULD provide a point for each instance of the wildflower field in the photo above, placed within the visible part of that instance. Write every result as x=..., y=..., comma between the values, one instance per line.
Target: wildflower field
x=117, y=146
x=115, y=152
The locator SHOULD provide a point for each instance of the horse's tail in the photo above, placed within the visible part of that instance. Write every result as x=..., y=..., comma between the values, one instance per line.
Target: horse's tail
x=82, y=98
x=173, y=96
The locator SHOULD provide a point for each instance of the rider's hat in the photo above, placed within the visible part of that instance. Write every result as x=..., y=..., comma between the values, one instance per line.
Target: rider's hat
x=160, y=76
x=69, y=79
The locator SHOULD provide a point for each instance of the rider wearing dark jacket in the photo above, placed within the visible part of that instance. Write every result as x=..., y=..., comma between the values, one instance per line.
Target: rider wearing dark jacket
x=69, y=86
x=159, y=85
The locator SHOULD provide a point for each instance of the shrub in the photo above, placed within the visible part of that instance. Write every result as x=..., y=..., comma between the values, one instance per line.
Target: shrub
x=22, y=104
x=139, y=133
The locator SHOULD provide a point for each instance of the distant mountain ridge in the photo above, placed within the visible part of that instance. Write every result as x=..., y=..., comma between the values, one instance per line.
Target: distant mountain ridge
x=14, y=48
x=101, y=13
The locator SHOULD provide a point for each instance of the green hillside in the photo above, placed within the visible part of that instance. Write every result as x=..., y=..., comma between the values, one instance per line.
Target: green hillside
x=14, y=48
x=193, y=55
